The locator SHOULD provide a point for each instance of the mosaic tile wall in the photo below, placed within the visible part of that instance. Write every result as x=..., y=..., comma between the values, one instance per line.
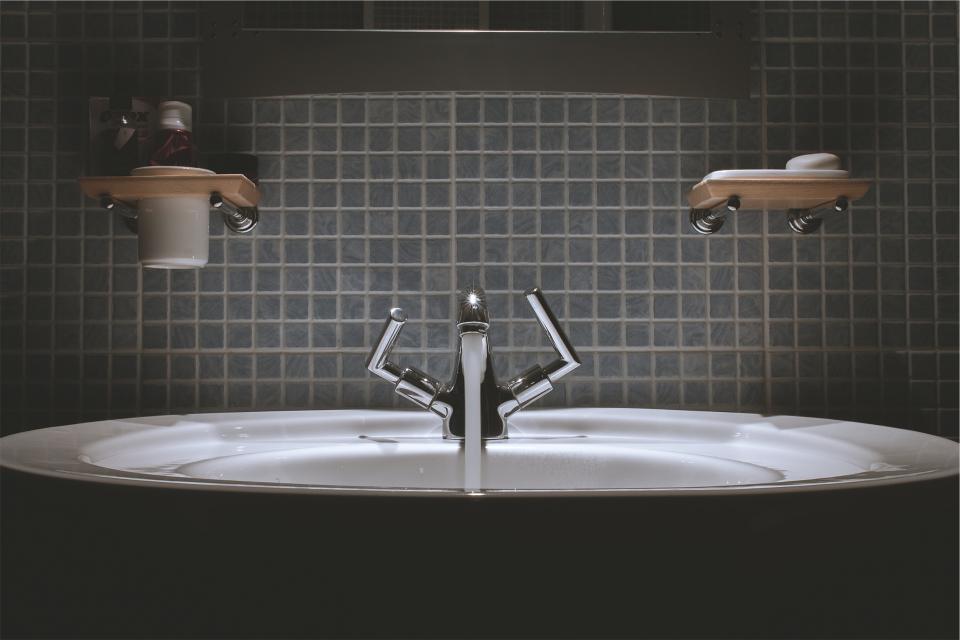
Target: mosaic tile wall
x=373, y=201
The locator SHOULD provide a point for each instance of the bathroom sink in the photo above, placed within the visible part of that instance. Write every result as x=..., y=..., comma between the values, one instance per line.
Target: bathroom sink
x=361, y=524
x=564, y=452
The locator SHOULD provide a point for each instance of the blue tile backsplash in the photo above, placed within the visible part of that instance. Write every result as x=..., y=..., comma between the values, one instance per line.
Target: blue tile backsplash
x=373, y=201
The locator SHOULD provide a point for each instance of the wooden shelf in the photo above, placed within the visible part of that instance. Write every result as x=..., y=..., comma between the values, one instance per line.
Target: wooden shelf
x=233, y=187
x=776, y=193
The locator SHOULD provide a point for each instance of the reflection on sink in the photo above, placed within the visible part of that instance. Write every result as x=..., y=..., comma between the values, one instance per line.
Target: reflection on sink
x=569, y=451
x=514, y=465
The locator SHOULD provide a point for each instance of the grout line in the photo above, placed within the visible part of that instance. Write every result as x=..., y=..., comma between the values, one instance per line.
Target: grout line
x=765, y=224
x=904, y=204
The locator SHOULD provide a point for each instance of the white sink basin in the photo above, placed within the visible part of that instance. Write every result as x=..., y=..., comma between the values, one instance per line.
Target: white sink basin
x=562, y=452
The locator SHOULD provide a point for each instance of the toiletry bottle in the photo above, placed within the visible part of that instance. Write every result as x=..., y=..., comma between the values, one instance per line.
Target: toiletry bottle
x=175, y=137
x=117, y=144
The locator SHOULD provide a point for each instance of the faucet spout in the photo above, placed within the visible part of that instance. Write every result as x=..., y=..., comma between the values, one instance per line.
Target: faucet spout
x=473, y=314
x=473, y=318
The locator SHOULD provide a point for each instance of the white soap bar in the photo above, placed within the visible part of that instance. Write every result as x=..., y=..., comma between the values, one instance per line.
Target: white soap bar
x=776, y=174
x=820, y=161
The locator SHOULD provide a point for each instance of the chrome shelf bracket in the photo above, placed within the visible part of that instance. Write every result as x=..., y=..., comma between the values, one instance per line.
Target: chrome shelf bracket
x=709, y=221
x=809, y=220
x=237, y=219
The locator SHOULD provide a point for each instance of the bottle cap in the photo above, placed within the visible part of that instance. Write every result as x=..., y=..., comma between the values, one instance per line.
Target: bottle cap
x=176, y=115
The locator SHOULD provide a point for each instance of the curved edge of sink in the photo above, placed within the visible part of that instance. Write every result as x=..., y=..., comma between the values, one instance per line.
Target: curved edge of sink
x=62, y=452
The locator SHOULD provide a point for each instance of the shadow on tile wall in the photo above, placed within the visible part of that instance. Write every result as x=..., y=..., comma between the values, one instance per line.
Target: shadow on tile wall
x=377, y=200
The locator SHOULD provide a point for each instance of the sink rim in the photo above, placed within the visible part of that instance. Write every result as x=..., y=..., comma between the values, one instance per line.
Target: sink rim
x=64, y=444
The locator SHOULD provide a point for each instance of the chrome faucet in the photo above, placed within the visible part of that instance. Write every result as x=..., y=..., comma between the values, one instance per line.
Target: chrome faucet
x=497, y=402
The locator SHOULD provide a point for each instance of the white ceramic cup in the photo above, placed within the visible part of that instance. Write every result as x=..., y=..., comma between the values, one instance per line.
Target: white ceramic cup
x=174, y=231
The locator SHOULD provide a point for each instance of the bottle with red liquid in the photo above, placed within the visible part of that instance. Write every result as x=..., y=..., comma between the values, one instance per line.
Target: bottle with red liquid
x=175, y=138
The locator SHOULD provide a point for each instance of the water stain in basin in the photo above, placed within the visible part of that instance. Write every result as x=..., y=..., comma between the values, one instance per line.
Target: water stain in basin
x=379, y=439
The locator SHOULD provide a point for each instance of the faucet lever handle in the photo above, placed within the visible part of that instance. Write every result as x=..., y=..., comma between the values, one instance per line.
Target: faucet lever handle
x=537, y=381
x=409, y=382
x=568, y=359
x=377, y=362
